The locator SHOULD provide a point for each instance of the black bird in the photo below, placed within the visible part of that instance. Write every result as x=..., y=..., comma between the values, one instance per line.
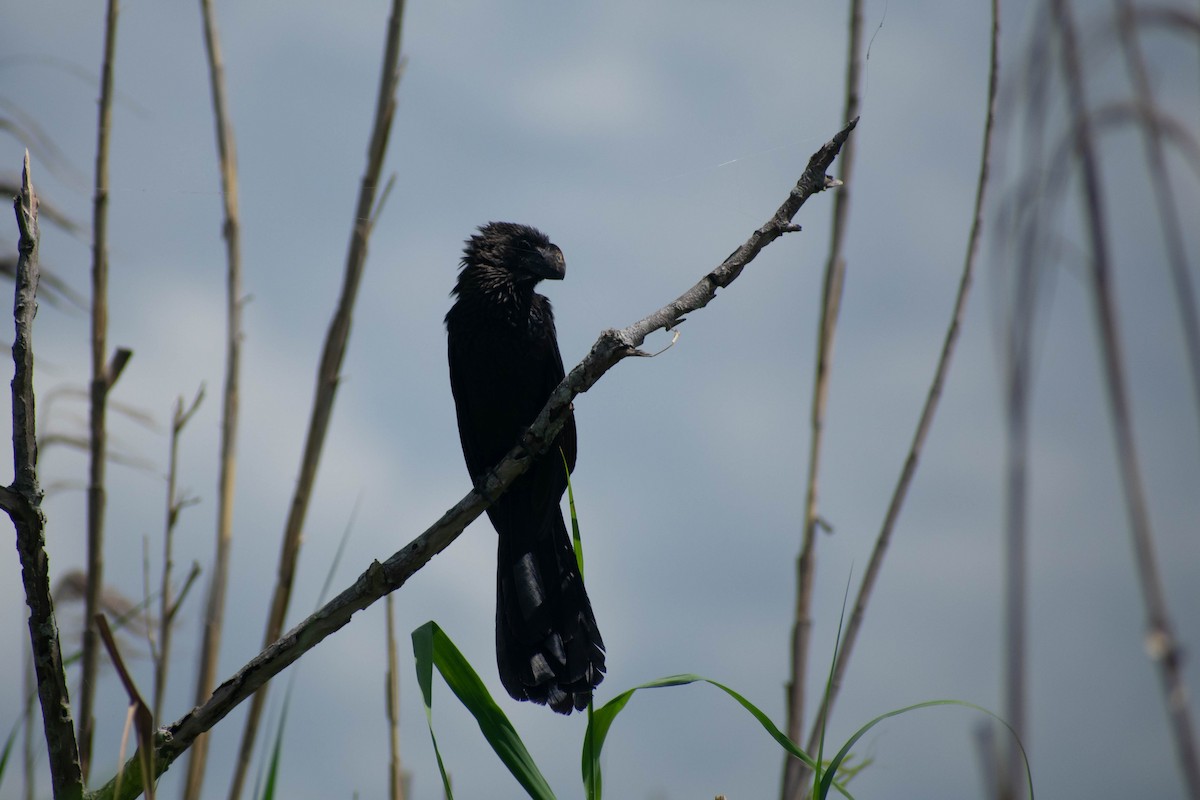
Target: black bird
x=504, y=364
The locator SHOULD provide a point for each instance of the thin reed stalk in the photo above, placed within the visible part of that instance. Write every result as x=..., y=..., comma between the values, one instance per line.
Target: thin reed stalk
x=1161, y=643
x=395, y=773
x=1166, y=208
x=794, y=772
x=932, y=398
x=328, y=373
x=167, y=605
x=99, y=395
x=214, y=612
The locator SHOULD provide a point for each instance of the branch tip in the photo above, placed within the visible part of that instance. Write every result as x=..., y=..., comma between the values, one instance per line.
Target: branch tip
x=116, y=366
x=27, y=193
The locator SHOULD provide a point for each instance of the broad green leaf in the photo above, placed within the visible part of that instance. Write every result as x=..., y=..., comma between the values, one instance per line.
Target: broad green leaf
x=603, y=718
x=432, y=647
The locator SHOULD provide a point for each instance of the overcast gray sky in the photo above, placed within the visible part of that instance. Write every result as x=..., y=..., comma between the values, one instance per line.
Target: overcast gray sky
x=648, y=140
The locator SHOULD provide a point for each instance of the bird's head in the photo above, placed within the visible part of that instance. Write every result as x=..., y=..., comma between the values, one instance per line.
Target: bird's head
x=524, y=252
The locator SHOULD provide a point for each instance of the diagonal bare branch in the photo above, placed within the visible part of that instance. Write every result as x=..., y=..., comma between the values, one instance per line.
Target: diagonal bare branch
x=611, y=347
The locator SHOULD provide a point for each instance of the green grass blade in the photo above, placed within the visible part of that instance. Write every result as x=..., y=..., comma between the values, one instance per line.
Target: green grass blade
x=591, y=787
x=837, y=760
x=818, y=781
x=268, y=792
x=602, y=720
x=268, y=784
x=432, y=647
x=8, y=746
x=576, y=540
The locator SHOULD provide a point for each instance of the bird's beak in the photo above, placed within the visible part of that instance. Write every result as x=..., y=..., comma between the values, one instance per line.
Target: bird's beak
x=552, y=266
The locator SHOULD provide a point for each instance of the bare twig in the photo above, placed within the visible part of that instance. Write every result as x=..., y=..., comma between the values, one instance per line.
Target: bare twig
x=1169, y=18
x=54, y=289
x=139, y=712
x=1038, y=196
x=25, y=128
x=214, y=612
x=175, y=504
x=328, y=373
x=835, y=270
x=48, y=212
x=83, y=443
x=1118, y=115
x=1023, y=238
x=932, y=398
x=148, y=622
x=380, y=579
x=1160, y=183
x=1161, y=644
x=99, y=393
x=188, y=582
x=23, y=503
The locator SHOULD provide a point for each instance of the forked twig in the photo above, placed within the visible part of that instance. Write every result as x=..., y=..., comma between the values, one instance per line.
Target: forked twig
x=139, y=712
x=167, y=605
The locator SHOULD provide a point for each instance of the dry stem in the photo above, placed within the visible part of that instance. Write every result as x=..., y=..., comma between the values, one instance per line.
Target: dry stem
x=328, y=373
x=1161, y=643
x=932, y=398
x=835, y=270
x=1160, y=183
x=166, y=604
x=99, y=394
x=395, y=773
x=214, y=612
x=23, y=503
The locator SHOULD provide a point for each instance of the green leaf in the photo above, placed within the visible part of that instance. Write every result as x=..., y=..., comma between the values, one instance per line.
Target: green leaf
x=432, y=647
x=576, y=540
x=818, y=782
x=837, y=760
x=8, y=745
x=276, y=751
x=603, y=718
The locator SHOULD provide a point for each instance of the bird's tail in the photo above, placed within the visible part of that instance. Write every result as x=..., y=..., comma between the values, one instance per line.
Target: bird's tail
x=548, y=647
